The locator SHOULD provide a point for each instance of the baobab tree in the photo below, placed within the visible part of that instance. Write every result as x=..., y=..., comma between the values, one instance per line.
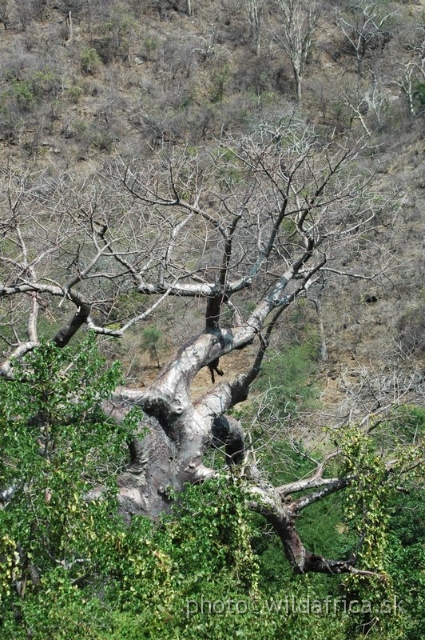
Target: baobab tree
x=260, y=215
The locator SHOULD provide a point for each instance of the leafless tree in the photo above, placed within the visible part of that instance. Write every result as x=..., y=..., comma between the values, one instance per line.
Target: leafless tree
x=411, y=71
x=260, y=215
x=364, y=26
x=255, y=10
x=4, y=13
x=365, y=99
x=298, y=22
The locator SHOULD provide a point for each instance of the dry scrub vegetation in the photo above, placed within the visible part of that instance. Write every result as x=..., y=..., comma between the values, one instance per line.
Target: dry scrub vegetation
x=86, y=82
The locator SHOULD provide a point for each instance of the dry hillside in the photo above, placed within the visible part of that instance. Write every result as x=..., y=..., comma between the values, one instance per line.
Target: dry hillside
x=83, y=81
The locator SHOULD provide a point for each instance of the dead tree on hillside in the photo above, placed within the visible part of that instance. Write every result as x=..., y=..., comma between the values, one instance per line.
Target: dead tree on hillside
x=364, y=28
x=297, y=23
x=255, y=9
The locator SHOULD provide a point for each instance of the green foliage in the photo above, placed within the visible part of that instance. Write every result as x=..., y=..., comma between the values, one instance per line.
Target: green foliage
x=74, y=93
x=127, y=305
x=286, y=377
x=219, y=79
x=419, y=95
x=59, y=551
x=90, y=61
x=405, y=426
x=102, y=140
x=32, y=89
x=367, y=496
x=366, y=510
x=286, y=460
x=323, y=528
x=202, y=551
x=151, y=341
x=23, y=94
x=406, y=558
x=115, y=34
x=69, y=567
x=408, y=517
x=205, y=570
x=55, y=444
x=149, y=48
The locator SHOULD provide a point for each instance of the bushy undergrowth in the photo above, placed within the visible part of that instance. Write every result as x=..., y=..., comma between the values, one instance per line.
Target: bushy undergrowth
x=70, y=568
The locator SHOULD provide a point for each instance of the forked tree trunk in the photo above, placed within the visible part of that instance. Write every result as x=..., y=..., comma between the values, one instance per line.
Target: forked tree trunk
x=179, y=431
x=289, y=213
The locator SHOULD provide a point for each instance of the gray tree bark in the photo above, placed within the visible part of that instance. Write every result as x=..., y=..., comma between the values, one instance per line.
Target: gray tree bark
x=276, y=206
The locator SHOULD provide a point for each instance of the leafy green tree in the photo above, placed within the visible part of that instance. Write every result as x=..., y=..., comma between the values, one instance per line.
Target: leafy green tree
x=56, y=444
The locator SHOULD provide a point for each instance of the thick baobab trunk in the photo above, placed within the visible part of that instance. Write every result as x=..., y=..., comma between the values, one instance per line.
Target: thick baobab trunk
x=176, y=432
x=162, y=462
x=179, y=430
x=289, y=215
x=159, y=467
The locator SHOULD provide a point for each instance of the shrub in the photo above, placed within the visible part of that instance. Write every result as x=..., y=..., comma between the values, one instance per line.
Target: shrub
x=285, y=376
x=419, y=95
x=23, y=94
x=74, y=93
x=151, y=341
x=90, y=61
x=219, y=80
x=113, y=43
x=411, y=327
